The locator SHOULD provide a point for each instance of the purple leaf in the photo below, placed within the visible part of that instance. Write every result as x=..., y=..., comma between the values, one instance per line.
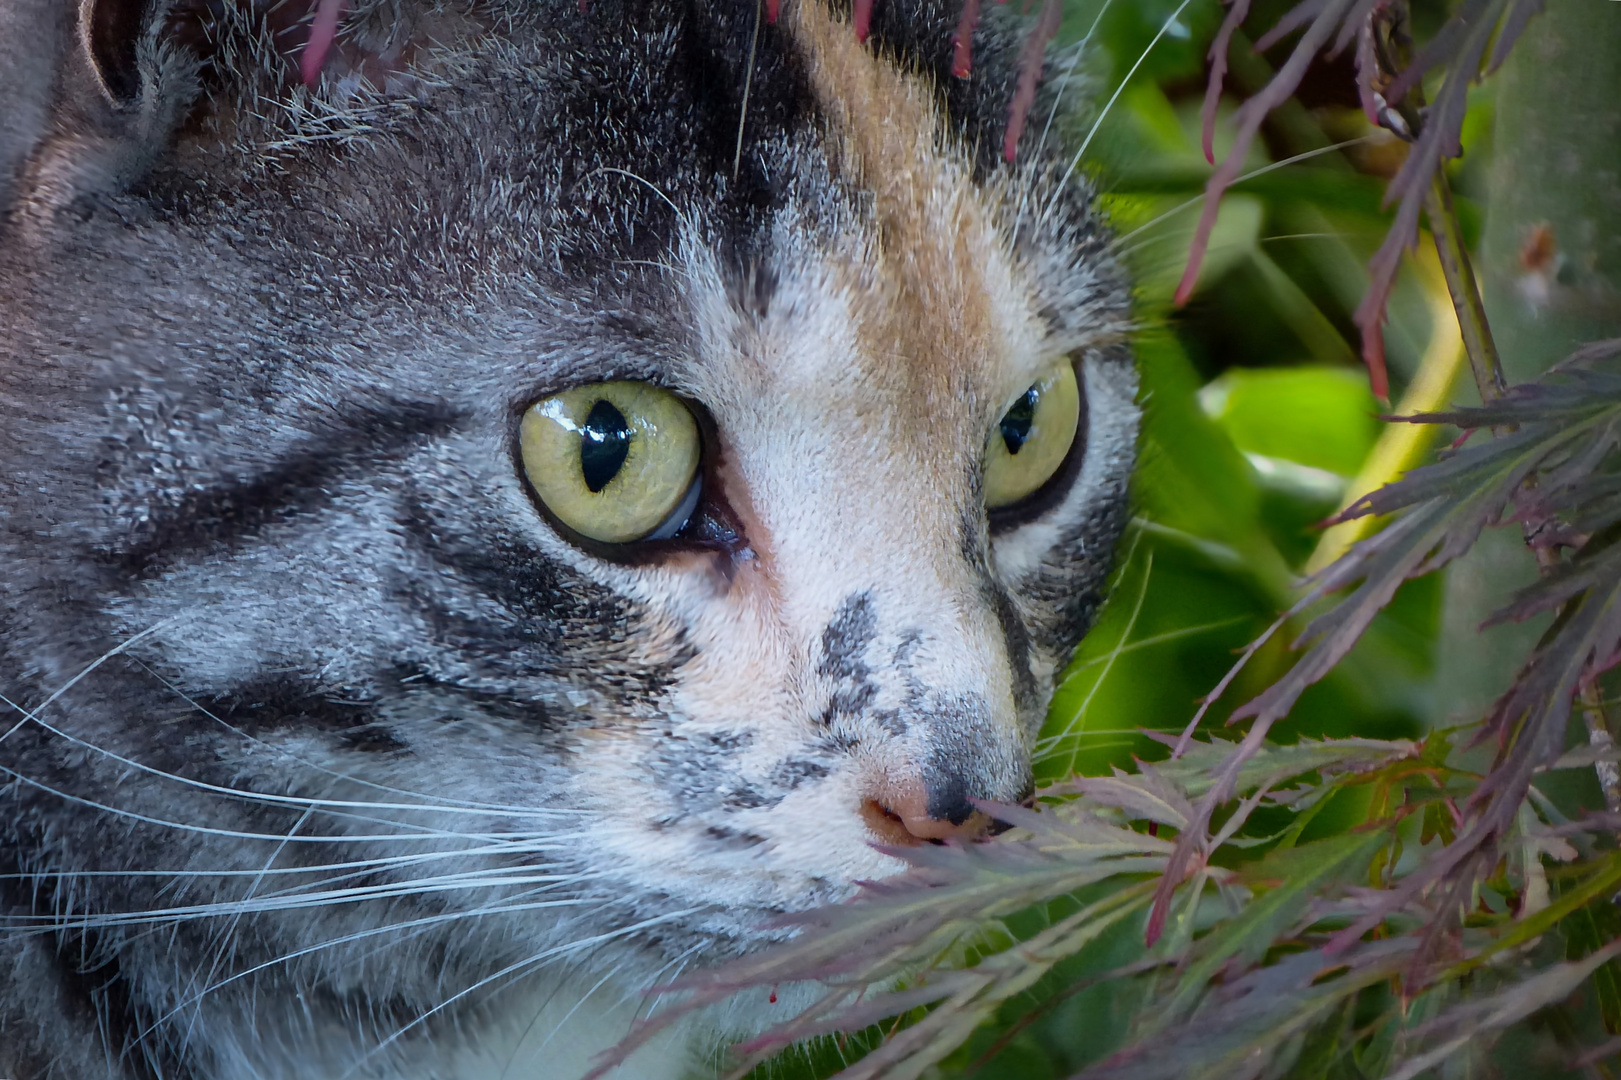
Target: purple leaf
x=962, y=54
x=1236, y=14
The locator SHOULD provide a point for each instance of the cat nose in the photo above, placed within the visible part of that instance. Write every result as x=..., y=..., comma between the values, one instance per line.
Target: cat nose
x=909, y=812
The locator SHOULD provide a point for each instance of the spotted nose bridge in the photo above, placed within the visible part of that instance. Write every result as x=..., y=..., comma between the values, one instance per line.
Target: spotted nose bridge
x=928, y=713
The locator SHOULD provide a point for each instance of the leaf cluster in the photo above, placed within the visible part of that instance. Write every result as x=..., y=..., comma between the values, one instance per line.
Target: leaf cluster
x=1254, y=975
x=1390, y=85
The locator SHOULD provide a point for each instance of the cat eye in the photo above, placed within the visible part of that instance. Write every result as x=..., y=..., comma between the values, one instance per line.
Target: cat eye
x=616, y=462
x=1033, y=438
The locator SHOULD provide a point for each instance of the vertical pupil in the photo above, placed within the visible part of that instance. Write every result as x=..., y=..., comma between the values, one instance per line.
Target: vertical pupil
x=604, y=442
x=1017, y=420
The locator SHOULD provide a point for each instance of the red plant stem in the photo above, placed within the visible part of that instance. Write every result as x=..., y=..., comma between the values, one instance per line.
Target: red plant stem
x=322, y=33
x=861, y=15
x=1218, y=72
x=1031, y=60
x=1367, y=69
x=1249, y=118
x=962, y=57
x=1484, y=360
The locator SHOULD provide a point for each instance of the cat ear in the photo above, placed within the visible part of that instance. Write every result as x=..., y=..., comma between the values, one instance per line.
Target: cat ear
x=34, y=35
x=89, y=96
x=109, y=35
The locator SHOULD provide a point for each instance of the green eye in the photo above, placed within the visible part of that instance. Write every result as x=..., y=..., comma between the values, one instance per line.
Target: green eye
x=1033, y=438
x=615, y=461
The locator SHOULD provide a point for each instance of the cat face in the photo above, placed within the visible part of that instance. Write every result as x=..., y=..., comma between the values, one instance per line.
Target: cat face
x=509, y=501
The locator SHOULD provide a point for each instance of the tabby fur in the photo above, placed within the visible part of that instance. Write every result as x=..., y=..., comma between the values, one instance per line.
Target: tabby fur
x=328, y=756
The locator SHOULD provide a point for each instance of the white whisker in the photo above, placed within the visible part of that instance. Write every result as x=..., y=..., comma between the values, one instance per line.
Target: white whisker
x=292, y=900
x=1125, y=635
x=281, y=800
x=1079, y=50
x=224, y=936
x=1164, y=28
x=406, y=930
x=439, y=801
x=654, y=188
x=424, y=832
x=1252, y=174
x=512, y=970
x=516, y=843
x=71, y=683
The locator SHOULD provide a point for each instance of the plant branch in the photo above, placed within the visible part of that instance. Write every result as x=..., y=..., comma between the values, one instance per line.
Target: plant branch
x=1603, y=740
x=1487, y=367
x=1402, y=446
x=1464, y=290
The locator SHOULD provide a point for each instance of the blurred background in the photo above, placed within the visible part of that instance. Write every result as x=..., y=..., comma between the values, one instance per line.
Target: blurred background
x=1259, y=423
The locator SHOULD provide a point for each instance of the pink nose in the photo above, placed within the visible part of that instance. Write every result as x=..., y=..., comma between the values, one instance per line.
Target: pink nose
x=899, y=813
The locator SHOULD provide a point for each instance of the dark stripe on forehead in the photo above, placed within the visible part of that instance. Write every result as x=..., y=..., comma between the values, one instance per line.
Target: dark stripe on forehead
x=752, y=160
x=304, y=481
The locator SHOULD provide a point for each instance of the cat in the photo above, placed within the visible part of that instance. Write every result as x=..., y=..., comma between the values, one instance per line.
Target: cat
x=502, y=499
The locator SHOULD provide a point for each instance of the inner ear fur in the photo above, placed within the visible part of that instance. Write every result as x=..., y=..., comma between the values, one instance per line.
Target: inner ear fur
x=110, y=33
x=101, y=105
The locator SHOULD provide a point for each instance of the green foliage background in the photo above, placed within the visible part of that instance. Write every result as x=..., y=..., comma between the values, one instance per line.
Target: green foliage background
x=1257, y=408
x=1257, y=418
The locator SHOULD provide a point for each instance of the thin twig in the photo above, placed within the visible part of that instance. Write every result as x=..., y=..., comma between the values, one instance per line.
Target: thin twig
x=1600, y=736
x=748, y=84
x=1478, y=342
x=1403, y=114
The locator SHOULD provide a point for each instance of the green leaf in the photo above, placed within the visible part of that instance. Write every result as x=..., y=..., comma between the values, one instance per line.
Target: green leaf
x=1453, y=1030
x=1322, y=417
x=1586, y=932
x=1296, y=875
x=1605, y=877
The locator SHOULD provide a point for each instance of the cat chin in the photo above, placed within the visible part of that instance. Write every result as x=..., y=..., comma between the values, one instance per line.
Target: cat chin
x=550, y=1026
x=555, y=1021
x=552, y=1031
